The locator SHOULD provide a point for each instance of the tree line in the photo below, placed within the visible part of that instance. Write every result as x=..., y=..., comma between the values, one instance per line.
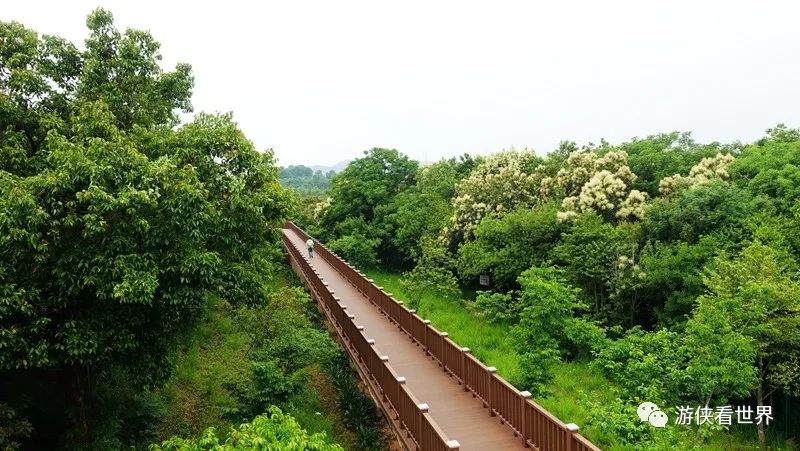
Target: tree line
x=305, y=180
x=670, y=265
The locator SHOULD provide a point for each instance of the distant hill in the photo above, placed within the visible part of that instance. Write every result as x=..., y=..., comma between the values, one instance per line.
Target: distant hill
x=310, y=181
x=335, y=168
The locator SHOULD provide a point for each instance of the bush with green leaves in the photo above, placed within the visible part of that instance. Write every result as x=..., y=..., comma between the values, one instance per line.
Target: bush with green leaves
x=753, y=301
x=433, y=272
x=673, y=277
x=273, y=431
x=356, y=243
x=422, y=210
x=505, y=247
x=589, y=253
x=13, y=429
x=283, y=345
x=742, y=339
x=712, y=208
x=549, y=326
x=771, y=167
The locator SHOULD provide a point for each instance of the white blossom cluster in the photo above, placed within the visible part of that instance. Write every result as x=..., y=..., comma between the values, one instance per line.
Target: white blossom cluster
x=500, y=184
x=625, y=263
x=633, y=205
x=578, y=169
x=708, y=170
x=599, y=184
x=321, y=207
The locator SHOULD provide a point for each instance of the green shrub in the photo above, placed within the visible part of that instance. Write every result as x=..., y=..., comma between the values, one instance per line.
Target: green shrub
x=356, y=249
x=276, y=431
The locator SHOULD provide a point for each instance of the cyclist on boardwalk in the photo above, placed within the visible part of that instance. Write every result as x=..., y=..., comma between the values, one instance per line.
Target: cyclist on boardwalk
x=310, y=246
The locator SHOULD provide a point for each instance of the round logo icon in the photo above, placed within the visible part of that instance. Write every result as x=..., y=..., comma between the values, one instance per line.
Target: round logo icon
x=650, y=412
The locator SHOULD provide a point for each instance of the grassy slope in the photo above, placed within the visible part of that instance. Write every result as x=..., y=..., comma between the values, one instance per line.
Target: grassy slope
x=571, y=382
x=195, y=396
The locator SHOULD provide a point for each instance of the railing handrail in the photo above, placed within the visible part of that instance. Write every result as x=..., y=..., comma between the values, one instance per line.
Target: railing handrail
x=531, y=434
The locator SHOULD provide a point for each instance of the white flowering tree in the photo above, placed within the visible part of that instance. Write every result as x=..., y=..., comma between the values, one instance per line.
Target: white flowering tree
x=600, y=184
x=703, y=173
x=503, y=182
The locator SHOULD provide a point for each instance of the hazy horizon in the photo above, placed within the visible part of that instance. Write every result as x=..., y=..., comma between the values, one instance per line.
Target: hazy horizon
x=321, y=82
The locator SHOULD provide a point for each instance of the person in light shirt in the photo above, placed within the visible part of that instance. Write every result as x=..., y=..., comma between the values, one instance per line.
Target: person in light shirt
x=310, y=246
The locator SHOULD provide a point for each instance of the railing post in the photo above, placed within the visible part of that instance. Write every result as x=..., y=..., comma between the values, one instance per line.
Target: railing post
x=523, y=427
x=400, y=381
x=370, y=371
x=444, y=358
x=411, y=323
x=491, y=401
x=423, y=409
x=395, y=309
x=350, y=340
x=464, y=351
x=573, y=429
x=384, y=358
x=425, y=335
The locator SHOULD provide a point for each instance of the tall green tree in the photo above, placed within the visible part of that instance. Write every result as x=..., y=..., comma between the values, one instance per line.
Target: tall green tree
x=114, y=226
x=368, y=182
x=589, y=253
x=757, y=295
x=421, y=211
x=505, y=247
x=771, y=167
x=713, y=208
x=549, y=325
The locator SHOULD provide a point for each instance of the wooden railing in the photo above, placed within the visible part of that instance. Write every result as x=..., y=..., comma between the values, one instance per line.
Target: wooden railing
x=412, y=415
x=537, y=427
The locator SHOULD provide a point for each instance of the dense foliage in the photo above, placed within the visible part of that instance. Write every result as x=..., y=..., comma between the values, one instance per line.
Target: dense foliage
x=275, y=431
x=671, y=266
x=125, y=236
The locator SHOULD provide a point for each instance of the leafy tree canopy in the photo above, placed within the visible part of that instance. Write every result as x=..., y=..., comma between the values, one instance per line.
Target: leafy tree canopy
x=115, y=226
x=368, y=182
x=505, y=247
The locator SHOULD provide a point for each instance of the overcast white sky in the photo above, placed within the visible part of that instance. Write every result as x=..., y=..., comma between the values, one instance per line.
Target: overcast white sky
x=322, y=81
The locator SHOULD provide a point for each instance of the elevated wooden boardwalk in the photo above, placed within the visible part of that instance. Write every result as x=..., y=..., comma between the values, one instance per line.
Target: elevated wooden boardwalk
x=434, y=393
